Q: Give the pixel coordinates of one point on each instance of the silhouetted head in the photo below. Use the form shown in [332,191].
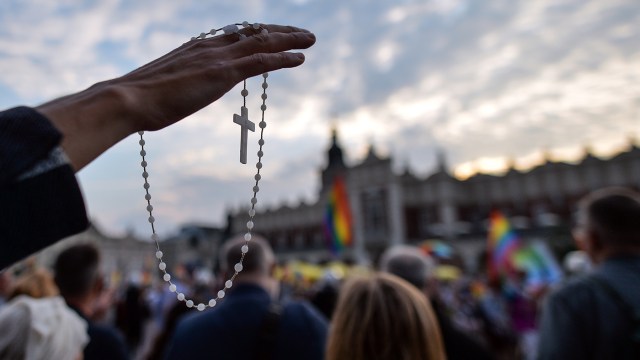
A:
[76,271]
[608,223]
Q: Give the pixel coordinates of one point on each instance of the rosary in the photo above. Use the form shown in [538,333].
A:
[245,126]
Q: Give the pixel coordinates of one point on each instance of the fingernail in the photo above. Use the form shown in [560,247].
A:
[300,56]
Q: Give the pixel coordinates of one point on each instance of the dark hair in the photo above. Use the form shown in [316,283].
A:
[76,269]
[614,215]
[257,260]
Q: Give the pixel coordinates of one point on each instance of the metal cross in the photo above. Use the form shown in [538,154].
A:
[245,124]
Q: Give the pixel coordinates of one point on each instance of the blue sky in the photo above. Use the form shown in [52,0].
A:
[485,81]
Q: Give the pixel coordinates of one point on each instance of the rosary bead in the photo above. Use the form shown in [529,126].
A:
[147,196]
[254,200]
[252,213]
[154,237]
[189,303]
[263,124]
[264,96]
[146,186]
[259,165]
[172,288]
[143,163]
[181,296]
[159,254]
[230,29]
[149,208]
[193,38]
[247,236]
[265,75]
[162,265]
[261,142]
[152,219]
[258,176]
[249,224]
[140,132]
[265,85]
[245,24]
[143,153]
[263,107]
[237,267]
[220,294]
[145,174]
[244,92]
[200,307]
[228,284]
[256,189]
[244,249]
[141,142]
[212,303]
[256,26]
[203,35]
[166,277]
[213,32]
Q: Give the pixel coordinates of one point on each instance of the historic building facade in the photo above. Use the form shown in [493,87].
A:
[390,208]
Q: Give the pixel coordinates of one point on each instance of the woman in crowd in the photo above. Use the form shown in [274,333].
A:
[382,317]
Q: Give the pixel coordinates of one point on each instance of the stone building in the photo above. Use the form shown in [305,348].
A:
[390,208]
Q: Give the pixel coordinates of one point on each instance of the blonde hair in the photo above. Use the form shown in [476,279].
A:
[382,317]
[37,283]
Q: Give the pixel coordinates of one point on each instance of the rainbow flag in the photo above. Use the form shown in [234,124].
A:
[337,218]
[539,264]
[507,254]
[502,243]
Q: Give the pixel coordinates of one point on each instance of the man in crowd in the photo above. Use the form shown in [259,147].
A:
[248,323]
[77,274]
[596,315]
[409,263]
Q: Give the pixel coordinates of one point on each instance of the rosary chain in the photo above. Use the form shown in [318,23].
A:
[229,29]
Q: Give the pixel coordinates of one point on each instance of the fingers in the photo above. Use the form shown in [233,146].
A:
[257,64]
[272,43]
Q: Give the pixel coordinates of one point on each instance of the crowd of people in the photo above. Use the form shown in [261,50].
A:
[399,308]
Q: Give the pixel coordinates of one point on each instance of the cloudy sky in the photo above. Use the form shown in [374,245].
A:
[485,81]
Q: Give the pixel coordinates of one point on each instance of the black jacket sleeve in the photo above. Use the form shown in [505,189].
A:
[38,210]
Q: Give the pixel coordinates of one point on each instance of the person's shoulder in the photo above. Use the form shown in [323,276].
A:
[105,342]
[302,312]
[105,333]
[575,290]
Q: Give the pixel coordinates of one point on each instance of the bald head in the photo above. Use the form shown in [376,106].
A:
[257,261]
[408,263]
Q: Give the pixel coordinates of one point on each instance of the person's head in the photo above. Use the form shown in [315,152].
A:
[39,329]
[608,223]
[410,264]
[258,263]
[77,273]
[383,317]
[36,284]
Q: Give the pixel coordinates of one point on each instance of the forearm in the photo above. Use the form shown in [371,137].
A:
[90,121]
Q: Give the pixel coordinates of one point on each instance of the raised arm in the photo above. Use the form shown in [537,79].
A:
[168,89]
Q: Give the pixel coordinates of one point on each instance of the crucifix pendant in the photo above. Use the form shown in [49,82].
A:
[245,125]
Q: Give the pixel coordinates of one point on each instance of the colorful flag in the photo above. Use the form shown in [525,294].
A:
[501,245]
[337,218]
[508,254]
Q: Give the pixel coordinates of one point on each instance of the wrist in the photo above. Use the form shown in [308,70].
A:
[90,121]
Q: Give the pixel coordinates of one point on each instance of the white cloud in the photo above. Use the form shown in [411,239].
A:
[483,80]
